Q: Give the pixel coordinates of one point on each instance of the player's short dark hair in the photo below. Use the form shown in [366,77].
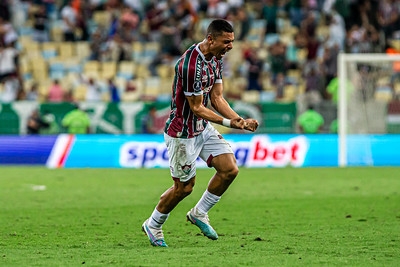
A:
[218,26]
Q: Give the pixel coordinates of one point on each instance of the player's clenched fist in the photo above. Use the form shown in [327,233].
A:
[250,125]
[237,123]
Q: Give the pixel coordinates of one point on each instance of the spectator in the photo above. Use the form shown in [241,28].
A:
[70,20]
[113,90]
[149,122]
[277,58]
[154,18]
[310,121]
[329,63]
[35,123]
[333,89]
[270,14]
[97,47]
[9,59]
[76,121]
[40,20]
[280,83]
[243,18]
[389,17]
[56,93]
[50,119]
[217,9]
[9,73]
[33,94]
[117,49]
[333,127]
[337,31]
[315,87]
[255,68]
[93,90]
[8,35]
[186,17]
[11,90]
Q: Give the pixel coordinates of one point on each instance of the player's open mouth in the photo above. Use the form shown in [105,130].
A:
[222,54]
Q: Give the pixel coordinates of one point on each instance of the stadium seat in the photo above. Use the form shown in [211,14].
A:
[49,46]
[150,51]
[137,51]
[165,71]
[73,65]
[56,32]
[108,69]
[79,92]
[252,96]
[151,88]
[267,96]
[92,68]
[385,95]
[256,32]
[142,71]
[126,70]
[289,93]
[66,50]
[39,70]
[101,18]
[82,50]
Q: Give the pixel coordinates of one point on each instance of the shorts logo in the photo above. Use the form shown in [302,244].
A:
[186,168]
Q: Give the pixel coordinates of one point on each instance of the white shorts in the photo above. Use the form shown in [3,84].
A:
[183,153]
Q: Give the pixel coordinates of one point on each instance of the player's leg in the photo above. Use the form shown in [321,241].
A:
[182,158]
[218,154]
[175,194]
[226,172]
[168,201]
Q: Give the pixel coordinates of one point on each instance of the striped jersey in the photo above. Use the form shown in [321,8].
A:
[194,75]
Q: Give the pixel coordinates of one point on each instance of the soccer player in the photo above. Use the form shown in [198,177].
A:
[189,135]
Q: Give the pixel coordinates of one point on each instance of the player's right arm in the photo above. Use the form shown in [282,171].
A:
[197,107]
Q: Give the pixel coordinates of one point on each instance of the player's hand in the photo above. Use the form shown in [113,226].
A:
[237,123]
[250,125]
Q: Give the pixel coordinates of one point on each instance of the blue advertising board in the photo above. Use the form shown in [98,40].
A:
[149,151]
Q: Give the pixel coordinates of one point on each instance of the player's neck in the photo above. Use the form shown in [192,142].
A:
[205,49]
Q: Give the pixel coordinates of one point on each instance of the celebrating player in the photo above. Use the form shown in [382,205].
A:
[189,135]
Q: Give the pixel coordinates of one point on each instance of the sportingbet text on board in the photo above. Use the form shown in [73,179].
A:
[257,152]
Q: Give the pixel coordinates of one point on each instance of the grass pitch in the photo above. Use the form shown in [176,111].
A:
[269,217]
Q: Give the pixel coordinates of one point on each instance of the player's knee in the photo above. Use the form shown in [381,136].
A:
[185,189]
[183,192]
[233,172]
[230,173]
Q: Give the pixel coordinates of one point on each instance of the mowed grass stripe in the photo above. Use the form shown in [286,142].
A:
[269,217]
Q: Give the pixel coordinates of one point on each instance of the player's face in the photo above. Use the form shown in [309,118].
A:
[222,44]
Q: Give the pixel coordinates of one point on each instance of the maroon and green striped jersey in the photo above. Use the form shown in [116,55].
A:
[194,75]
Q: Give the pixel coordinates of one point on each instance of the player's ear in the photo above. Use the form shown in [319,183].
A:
[210,39]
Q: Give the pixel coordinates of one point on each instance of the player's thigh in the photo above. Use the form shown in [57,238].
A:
[182,157]
[225,163]
[215,147]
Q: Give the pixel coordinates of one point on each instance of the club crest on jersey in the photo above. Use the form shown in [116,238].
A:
[186,168]
[197,86]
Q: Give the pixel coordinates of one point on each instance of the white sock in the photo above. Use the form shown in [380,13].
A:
[157,219]
[206,202]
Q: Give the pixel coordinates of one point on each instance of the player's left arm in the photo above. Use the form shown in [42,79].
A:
[219,103]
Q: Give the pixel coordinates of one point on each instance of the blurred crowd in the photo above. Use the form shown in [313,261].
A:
[286,49]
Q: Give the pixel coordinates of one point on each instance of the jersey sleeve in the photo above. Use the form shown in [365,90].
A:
[192,76]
